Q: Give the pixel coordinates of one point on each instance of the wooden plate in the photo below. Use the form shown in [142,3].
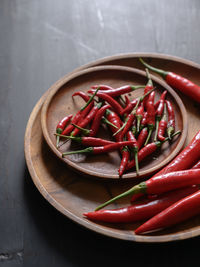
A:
[72,195]
[59,103]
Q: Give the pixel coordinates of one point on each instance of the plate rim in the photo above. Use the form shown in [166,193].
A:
[58,206]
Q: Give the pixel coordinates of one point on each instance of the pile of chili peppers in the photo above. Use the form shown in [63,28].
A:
[130,121]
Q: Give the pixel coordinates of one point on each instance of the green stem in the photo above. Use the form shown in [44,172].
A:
[156,131]
[104,120]
[149,135]
[136,161]
[90,100]
[140,188]
[135,87]
[85,131]
[139,118]
[86,150]
[158,71]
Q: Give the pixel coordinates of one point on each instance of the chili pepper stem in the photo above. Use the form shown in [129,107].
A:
[86,150]
[156,131]
[85,131]
[140,188]
[108,122]
[148,137]
[159,71]
[90,100]
[136,163]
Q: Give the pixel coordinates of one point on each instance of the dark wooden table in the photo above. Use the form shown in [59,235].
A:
[40,41]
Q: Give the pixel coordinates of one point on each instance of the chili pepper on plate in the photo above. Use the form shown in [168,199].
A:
[148,87]
[139,116]
[178,212]
[141,211]
[177,81]
[142,137]
[162,125]
[134,149]
[160,184]
[124,161]
[159,112]
[61,126]
[101,149]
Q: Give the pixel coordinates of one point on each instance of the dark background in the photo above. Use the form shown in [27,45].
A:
[40,41]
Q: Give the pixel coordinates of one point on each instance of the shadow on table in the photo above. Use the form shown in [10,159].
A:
[82,247]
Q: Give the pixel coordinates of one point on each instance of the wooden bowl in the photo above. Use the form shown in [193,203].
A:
[59,103]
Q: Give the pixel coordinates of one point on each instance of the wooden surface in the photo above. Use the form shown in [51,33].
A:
[44,167]
[40,42]
[59,103]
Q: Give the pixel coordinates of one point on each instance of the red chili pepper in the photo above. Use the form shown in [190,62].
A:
[144,121]
[82,95]
[61,126]
[141,211]
[182,84]
[87,119]
[115,120]
[119,91]
[148,87]
[142,137]
[97,120]
[139,116]
[171,119]
[100,149]
[129,121]
[131,137]
[124,161]
[114,104]
[157,104]
[162,125]
[159,112]
[88,141]
[176,213]
[102,87]
[150,116]
[161,184]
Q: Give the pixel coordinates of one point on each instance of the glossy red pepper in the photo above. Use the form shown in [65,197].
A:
[134,149]
[162,125]
[115,120]
[82,95]
[144,121]
[182,84]
[171,119]
[161,184]
[101,149]
[61,126]
[142,137]
[141,211]
[139,116]
[148,87]
[124,161]
[88,141]
[176,213]
[129,107]
[151,113]
[102,87]
[159,112]
[97,120]
[114,92]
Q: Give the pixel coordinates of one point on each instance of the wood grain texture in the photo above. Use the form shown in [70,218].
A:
[40,41]
[59,103]
[67,197]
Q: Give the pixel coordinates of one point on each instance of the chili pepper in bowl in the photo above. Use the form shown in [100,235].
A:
[177,81]
[139,116]
[171,119]
[150,116]
[124,161]
[161,184]
[176,213]
[148,87]
[61,126]
[142,137]
[162,125]
[100,149]
[159,112]
[141,211]
[134,149]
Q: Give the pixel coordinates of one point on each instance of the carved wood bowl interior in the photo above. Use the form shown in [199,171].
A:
[60,103]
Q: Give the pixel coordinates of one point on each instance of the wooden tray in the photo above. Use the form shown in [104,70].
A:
[59,103]
[72,195]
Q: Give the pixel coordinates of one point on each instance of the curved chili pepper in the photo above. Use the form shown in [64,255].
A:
[144,121]
[148,87]
[61,126]
[131,137]
[88,118]
[176,213]
[159,112]
[102,87]
[139,116]
[115,120]
[100,149]
[82,95]
[129,107]
[88,141]
[141,211]
[162,125]
[171,119]
[182,84]
[127,125]
[119,91]
[142,137]
[150,116]
[114,104]
[97,120]
[161,184]
[124,161]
